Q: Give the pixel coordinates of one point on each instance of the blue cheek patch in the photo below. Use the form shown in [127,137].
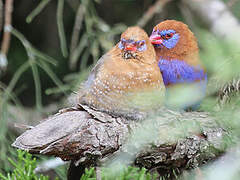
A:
[120,45]
[171,43]
[177,71]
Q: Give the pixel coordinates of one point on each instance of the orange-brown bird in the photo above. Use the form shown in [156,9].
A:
[126,80]
[178,59]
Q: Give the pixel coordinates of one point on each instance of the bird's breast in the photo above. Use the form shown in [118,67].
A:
[178,71]
[185,84]
[124,86]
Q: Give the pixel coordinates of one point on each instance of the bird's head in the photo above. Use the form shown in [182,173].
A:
[173,39]
[135,44]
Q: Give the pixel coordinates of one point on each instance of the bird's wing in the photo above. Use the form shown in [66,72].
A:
[93,74]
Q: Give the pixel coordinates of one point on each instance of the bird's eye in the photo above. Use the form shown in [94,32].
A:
[167,36]
[141,43]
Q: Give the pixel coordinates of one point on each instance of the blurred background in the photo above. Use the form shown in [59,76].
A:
[48,48]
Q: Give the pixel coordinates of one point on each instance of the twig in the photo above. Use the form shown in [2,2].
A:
[32,63]
[7,26]
[32,55]
[77,28]
[13,97]
[7,34]
[37,10]
[13,81]
[61,28]
[1,15]
[156,8]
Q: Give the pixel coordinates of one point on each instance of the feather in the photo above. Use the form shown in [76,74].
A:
[178,59]
[124,82]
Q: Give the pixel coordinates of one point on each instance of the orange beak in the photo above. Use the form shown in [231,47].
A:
[156,39]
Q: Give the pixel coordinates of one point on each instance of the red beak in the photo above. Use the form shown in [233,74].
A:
[130,47]
[156,39]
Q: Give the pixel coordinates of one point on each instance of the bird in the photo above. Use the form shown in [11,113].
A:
[125,81]
[184,76]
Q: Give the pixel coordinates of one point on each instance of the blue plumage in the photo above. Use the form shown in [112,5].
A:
[177,71]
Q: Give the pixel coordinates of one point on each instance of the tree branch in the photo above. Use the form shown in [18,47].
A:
[1,15]
[156,8]
[76,29]
[166,141]
[7,34]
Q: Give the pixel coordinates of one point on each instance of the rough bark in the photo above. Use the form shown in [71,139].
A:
[75,134]
[89,138]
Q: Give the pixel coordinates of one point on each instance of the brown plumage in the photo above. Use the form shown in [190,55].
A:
[186,49]
[125,81]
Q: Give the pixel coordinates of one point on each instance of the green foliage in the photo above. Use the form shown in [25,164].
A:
[6,137]
[98,36]
[126,174]
[36,60]
[131,173]
[24,168]
[26,164]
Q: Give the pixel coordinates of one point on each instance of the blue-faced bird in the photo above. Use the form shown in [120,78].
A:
[126,80]
[178,59]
